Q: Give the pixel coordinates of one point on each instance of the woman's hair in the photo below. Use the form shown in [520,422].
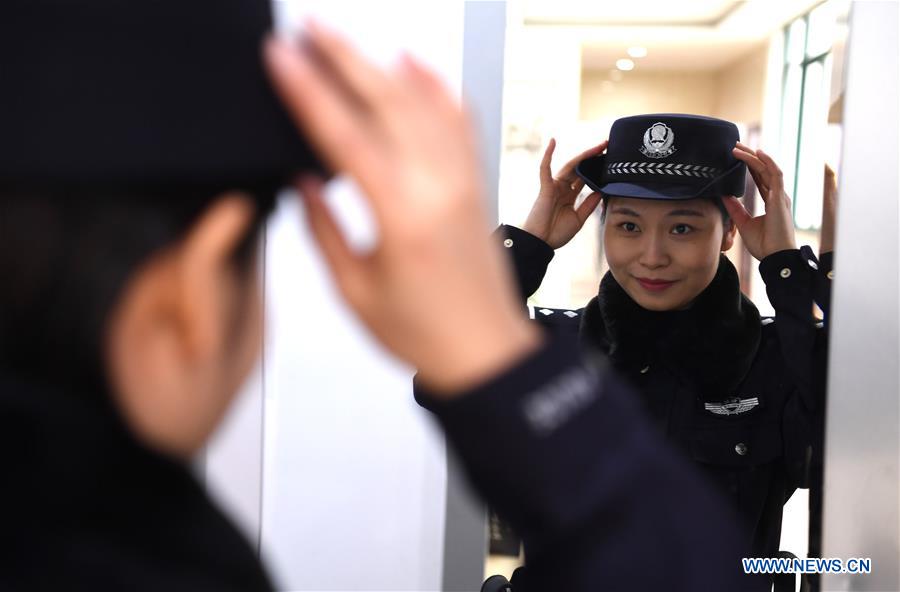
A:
[65,258]
[717,201]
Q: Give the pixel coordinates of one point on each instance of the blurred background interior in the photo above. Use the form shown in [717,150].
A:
[572,68]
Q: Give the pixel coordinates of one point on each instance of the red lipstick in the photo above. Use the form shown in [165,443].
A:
[654,285]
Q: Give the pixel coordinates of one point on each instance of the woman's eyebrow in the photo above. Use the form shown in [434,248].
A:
[625,211]
[696,213]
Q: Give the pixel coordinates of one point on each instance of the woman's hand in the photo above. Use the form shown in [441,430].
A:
[829,211]
[774,230]
[435,290]
[554,218]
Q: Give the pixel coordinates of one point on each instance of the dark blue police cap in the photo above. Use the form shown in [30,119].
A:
[667,156]
[101,93]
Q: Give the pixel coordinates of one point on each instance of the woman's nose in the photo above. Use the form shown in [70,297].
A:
[654,253]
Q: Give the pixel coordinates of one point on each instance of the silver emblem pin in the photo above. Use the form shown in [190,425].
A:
[658,141]
[733,406]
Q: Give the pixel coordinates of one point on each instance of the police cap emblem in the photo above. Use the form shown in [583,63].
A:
[658,141]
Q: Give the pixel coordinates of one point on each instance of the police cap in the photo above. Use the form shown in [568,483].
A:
[99,93]
[667,156]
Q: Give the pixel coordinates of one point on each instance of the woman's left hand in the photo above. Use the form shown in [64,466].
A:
[774,230]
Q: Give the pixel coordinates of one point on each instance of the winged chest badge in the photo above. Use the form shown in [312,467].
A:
[733,406]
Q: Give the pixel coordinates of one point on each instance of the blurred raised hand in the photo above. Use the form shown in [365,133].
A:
[435,290]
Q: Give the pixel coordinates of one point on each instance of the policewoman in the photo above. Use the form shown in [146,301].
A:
[735,392]
[140,154]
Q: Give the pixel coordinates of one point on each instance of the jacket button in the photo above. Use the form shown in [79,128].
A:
[741,448]
[785,273]
[830,274]
[645,369]
[508,243]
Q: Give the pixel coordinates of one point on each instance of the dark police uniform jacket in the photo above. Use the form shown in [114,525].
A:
[741,396]
[554,443]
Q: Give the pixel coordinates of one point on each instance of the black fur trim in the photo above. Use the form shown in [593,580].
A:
[712,344]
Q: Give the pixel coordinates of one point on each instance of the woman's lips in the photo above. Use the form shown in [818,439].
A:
[654,285]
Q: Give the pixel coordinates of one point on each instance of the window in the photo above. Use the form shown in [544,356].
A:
[805,133]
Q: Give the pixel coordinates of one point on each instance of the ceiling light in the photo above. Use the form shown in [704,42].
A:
[625,64]
[637,52]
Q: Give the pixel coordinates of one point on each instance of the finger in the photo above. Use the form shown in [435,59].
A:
[760,184]
[344,264]
[775,177]
[737,211]
[757,180]
[830,182]
[588,206]
[781,205]
[360,77]
[567,173]
[330,119]
[427,82]
[546,177]
[758,170]
[744,148]
[752,160]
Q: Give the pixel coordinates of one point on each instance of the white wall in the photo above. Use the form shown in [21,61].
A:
[326,459]
[648,92]
[862,464]
[741,87]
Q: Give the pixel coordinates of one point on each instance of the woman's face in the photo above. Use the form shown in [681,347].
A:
[664,253]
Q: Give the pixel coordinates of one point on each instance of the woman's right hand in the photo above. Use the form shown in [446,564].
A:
[829,211]
[554,218]
[436,290]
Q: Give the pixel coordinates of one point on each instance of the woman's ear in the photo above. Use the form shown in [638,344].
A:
[169,331]
[206,271]
[728,235]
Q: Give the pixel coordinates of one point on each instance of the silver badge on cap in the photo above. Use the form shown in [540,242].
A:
[733,406]
[658,141]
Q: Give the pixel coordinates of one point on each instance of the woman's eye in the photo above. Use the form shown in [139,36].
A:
[628,226]
[681,229]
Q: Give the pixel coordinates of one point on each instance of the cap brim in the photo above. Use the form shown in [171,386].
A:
[651,190]
[592,171]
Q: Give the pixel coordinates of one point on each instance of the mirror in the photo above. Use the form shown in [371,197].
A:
[773,69]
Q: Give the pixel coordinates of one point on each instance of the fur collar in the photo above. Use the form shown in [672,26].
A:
[712,344]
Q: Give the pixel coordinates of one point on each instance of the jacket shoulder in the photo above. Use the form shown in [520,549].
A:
[769,326]
[556,315]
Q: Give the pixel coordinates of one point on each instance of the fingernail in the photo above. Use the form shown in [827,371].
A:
[408,63]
